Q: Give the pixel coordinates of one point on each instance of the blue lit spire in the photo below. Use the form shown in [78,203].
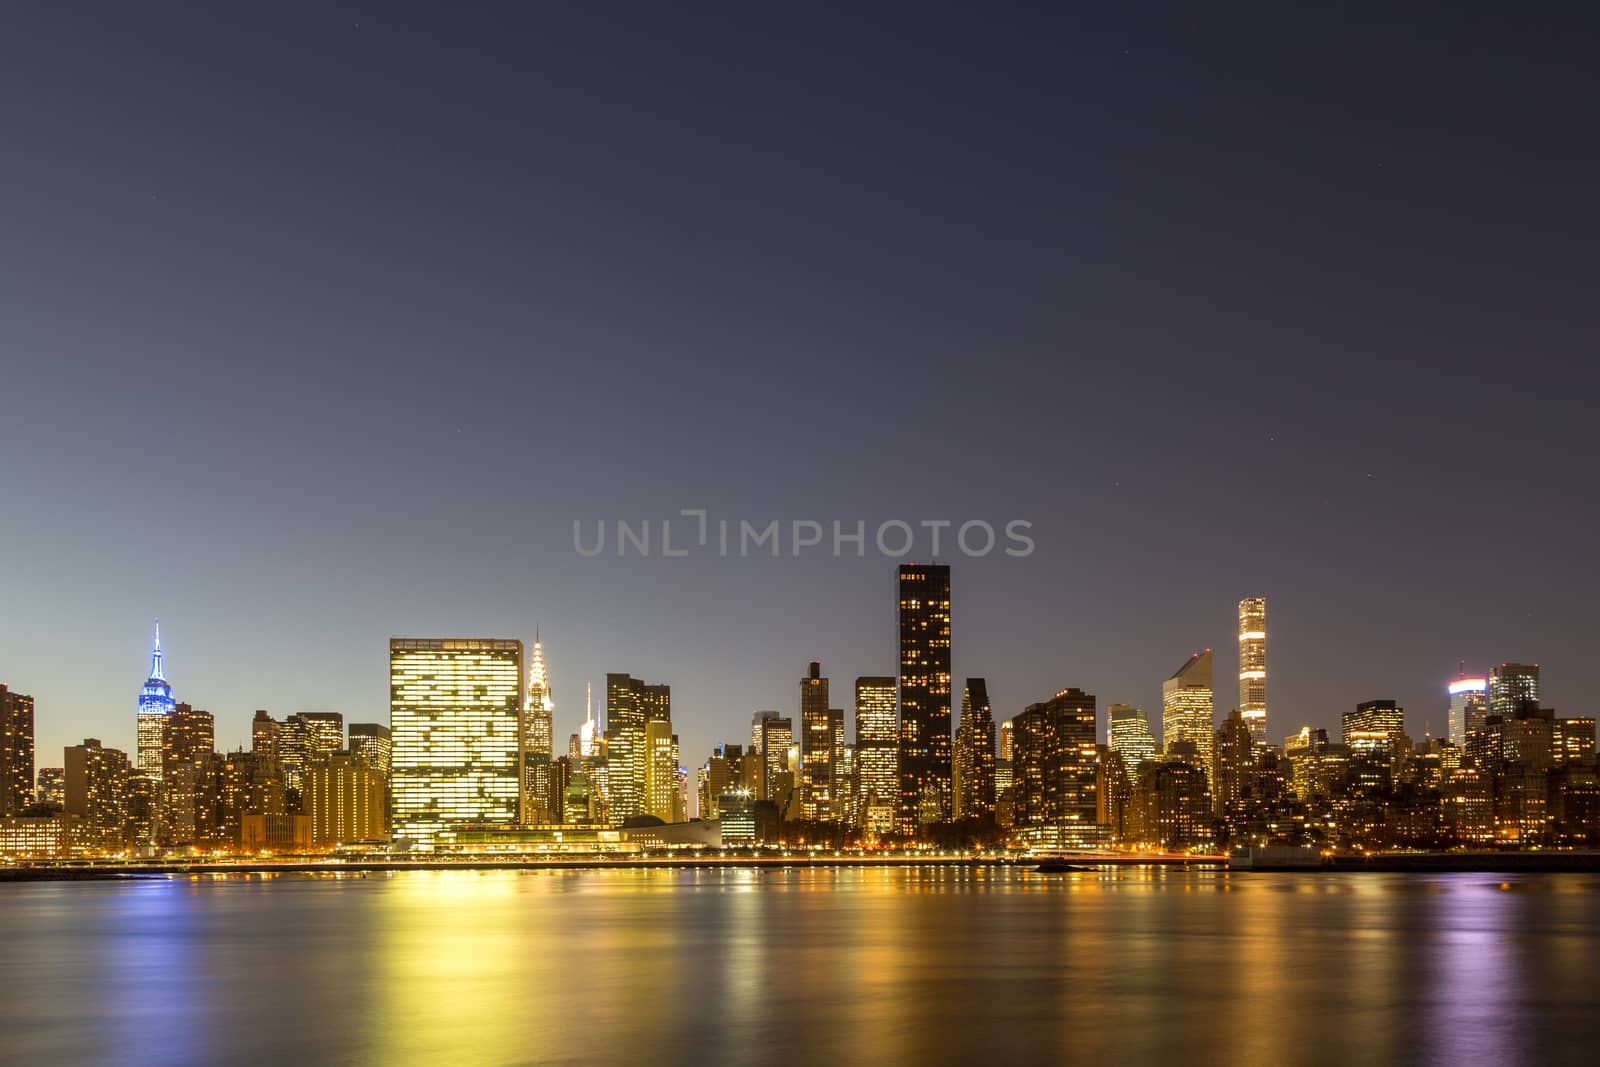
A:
[155,657]
[156,696]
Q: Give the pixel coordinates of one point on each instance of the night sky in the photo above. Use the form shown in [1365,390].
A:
[320,325]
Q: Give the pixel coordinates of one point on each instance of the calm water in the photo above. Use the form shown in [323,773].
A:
[794,967]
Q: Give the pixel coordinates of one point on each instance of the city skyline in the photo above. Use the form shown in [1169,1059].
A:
[690,759]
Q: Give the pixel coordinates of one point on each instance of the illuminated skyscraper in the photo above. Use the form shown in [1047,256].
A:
[816,746]
[877,753]
[95,782]
[973,759]
[155,704]
[371,743]
[303,737]
[630,706]
[266,733]
[324,732]
[777,737]
[190,736]
[188,739]
[455,712]
[1006,733]
[924,603]
[1129,736]
[1186,708]
[1511,686]
[16,752]
[538,726]
[755,727]
[1469,705]
[1373,724]
[1253,666]
[1232,762]
[661,770]
[1055,771]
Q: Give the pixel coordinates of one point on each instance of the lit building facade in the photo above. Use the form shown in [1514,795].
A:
[1187,714]
[1128,734]
[923,594]
[1469,706]
[1056,771]
[155,704]
[877,753]
[973,771]
[777,748]
[816,746]
[343,797]
[96,781]
[52,790]
[661,770]
[538,743]
[1373,722]
[630,705]
[187,742]
[372,743]
[1511,687]
[16,752]
[1232,762]
[455,713]
[1253,666]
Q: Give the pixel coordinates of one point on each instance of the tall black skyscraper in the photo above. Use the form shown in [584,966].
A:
[924,598]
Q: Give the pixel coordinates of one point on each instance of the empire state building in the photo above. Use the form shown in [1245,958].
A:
[155,704]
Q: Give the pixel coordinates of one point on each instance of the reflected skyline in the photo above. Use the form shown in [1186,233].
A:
[849,965]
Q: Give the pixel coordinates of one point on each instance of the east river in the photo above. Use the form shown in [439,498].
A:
[921,965]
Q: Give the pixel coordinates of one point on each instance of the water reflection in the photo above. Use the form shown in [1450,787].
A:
[926,964]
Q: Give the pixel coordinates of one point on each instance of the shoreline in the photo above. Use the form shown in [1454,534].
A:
[1404,863]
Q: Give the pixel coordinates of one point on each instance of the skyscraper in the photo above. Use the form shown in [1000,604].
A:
[877,753]
[924,605]
[973,772]
[94,787]
[1469,703]
[630,706]
[538,741]
[755,727]
[1055,771]
[324,732]
[303,737]
[155,704]
[1512,685]
[1186,708]
[16,752]
[661,769]
[1232,761]
[777,737]
[188,739]
[455,712]
[816,746]
[1253,666]
[266,733]
[1373,722]
[1129,736]
[190,736]
[371,743]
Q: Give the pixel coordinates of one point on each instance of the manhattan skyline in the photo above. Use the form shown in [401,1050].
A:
[298,370]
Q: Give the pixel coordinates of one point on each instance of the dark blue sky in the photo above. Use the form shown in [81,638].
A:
[323,324]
